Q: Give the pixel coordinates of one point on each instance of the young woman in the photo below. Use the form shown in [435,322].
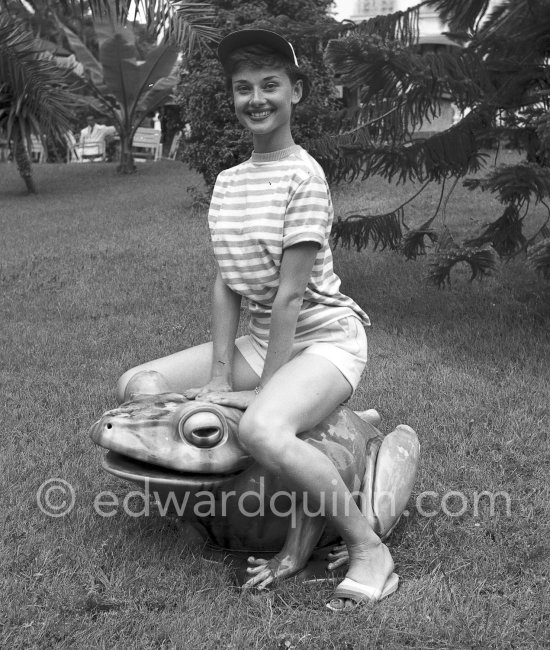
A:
[270,221]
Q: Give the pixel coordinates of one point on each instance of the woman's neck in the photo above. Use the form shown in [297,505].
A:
[274,156]
[272,142]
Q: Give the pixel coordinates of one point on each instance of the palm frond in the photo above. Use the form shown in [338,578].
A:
[356,154]
[92,67]
[414,241]
[515,184]
[187,24]
[461,16]
[505,234]
[400,26]
[387,70]
[357,230]
[498,36]
[482,262]
[35,94]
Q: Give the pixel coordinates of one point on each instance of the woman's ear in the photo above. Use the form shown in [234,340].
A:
[297,91]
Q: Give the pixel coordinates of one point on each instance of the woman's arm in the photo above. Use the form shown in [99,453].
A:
[226,306]
[296,267]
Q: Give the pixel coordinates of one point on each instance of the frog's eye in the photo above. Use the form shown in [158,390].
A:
[202,429]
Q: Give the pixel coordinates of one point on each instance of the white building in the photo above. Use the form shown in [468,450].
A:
[358,10]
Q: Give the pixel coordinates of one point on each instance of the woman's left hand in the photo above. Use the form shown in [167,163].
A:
[238,399]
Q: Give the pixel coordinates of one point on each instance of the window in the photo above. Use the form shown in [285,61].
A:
[376,7]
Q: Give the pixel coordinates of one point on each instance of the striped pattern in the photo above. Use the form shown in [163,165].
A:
[259,208]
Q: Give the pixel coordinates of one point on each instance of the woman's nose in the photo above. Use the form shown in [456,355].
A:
[257,96]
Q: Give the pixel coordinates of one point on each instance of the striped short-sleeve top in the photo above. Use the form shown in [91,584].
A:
[259,208]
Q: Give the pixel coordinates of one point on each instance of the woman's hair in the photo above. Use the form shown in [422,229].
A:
[261,56]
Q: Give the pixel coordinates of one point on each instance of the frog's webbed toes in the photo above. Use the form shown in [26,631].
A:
[256,564]
[337,557]
[261,572]
[264,572]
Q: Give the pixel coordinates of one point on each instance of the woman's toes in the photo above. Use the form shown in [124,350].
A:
[341,604]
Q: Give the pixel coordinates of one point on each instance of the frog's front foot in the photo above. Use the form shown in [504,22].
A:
[265,572]
[337,557]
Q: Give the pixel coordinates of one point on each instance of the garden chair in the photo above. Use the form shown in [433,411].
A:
[91,151]
[37,150]
[146,144]
[72,147]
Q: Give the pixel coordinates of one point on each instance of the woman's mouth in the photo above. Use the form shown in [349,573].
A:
[259,115]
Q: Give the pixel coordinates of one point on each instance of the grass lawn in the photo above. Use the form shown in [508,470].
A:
[100,272]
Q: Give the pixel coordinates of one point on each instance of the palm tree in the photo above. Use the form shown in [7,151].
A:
[35,95]
[139,87]
[500,81]
[119,82]
[185,24]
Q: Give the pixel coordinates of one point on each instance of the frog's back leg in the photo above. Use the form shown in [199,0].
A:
[371,416]
[389,479]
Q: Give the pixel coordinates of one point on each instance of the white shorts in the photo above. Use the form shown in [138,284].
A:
[343,342]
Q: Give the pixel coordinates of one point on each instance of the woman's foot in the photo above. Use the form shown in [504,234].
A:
[371,568]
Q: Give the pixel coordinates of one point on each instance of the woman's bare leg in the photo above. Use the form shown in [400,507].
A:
[301,394]
[191,368]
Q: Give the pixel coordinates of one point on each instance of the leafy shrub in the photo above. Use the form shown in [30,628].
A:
[217,139]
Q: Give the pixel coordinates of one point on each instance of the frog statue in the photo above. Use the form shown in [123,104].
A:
[186,454]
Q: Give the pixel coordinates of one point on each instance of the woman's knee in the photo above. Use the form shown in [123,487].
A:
[140,380]
[121,385]
[264,436]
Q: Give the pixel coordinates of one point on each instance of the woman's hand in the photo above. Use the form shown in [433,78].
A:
[237,399]
[216,385]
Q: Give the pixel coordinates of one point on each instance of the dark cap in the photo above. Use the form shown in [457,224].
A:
[245,37]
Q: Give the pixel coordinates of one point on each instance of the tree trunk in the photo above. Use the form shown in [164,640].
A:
[127,164]
[23,161]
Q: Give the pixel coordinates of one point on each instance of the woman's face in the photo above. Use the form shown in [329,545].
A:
[263,99]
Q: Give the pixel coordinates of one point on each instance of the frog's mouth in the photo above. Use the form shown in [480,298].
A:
[153,476]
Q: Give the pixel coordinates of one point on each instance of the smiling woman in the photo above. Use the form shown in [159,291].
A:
[270,220]
[263,104]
